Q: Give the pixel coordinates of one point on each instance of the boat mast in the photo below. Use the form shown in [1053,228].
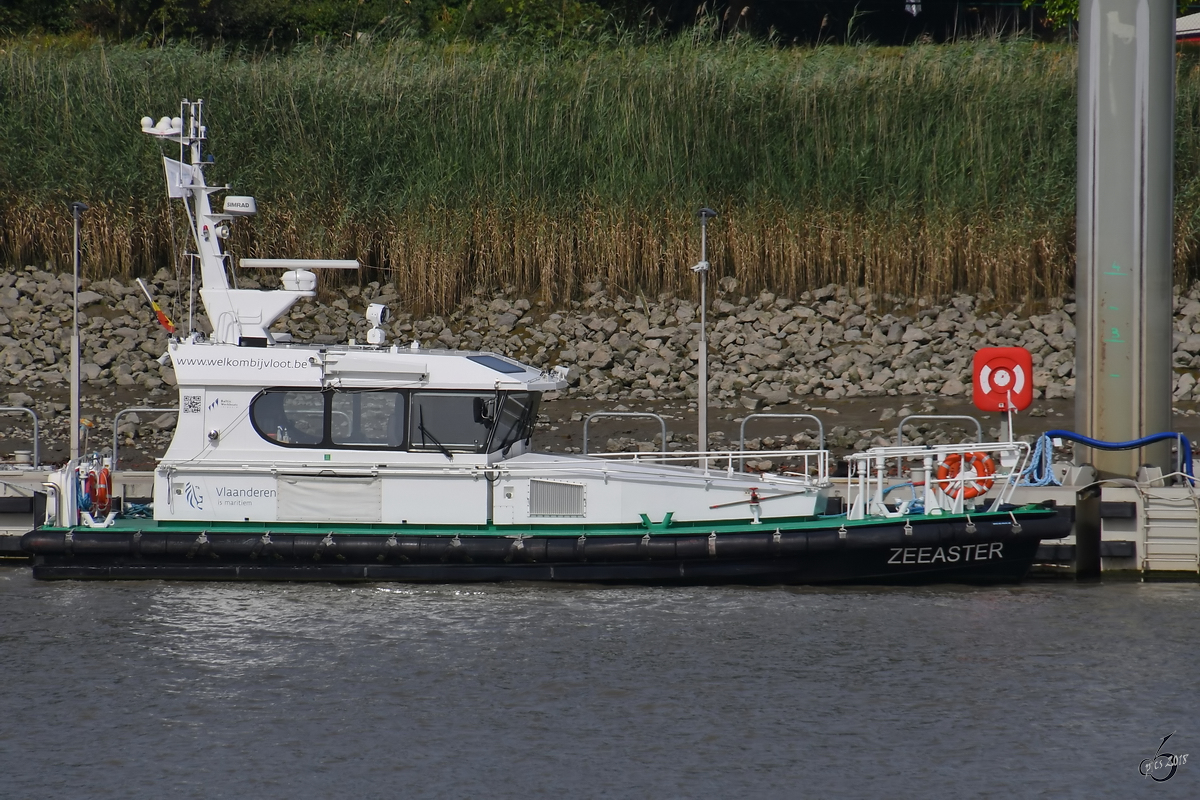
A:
[237,316]
[206,231]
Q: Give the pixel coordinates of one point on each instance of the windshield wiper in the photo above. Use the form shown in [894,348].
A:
[421,427]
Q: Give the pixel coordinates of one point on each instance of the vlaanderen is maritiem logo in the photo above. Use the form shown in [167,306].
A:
[194,498]
[1162,766]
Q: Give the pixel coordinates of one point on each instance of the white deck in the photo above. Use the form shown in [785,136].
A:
[528,489]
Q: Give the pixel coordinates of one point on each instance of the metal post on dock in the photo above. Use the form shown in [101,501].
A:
[1125,151]
[77,209]
[702,358]
[1124,228]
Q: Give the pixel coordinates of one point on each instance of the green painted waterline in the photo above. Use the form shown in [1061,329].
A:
[667,527]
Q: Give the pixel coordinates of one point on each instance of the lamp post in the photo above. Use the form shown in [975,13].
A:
[77,209]
[702,360]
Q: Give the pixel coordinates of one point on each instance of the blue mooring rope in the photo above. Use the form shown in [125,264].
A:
[1040,471]
[138,510]
[916,506]
[1185,445]
[83,499]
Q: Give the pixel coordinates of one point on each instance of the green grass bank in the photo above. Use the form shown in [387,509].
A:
[915,171]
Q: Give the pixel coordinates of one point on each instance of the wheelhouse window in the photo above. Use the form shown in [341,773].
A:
[451,422]
[329,419]
[394,419]
[471,422]
[294,417]
[368,419]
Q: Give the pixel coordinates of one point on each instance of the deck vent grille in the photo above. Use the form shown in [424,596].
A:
[556,499]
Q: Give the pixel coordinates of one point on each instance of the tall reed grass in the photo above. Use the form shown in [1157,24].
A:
[919,171]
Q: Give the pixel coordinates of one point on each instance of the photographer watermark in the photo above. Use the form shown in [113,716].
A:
[1162,766]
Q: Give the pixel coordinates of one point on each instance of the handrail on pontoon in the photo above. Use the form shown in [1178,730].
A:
[748,417]
[662,422]
[32,413]
[117,422]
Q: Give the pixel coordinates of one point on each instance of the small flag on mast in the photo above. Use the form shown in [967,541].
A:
[163,319]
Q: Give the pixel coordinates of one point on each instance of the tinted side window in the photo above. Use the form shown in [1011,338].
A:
[460,421]
[368,419]
[290,417]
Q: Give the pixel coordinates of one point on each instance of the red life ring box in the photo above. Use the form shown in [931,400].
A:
[1002,379]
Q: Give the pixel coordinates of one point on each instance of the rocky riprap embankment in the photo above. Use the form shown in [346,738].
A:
[767,350]
[829,343]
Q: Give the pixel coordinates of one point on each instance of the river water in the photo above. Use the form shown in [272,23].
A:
[152,690]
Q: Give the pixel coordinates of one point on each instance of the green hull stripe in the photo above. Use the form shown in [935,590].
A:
[674,528]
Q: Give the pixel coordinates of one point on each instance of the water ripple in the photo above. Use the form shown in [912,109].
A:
[249,690]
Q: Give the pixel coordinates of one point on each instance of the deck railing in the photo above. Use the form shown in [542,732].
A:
[975,474]
[809,466]
[812,464]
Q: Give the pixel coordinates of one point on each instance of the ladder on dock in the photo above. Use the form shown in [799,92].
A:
[1171,525]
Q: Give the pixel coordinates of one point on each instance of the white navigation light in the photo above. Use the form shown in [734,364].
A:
[147,123]
[238,206]
[299,280]
[377,314]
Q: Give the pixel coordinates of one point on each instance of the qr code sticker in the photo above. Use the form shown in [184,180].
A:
[191,404]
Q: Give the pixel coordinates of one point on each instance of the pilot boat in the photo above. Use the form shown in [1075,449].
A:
[386,461]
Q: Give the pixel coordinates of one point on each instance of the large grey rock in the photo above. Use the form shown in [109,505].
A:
[656,366]
[751,402]
[953,388]
[776,397]
[103,358]
[602,358]
[164,422]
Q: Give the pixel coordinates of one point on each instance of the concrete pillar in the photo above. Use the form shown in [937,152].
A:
[1124,227]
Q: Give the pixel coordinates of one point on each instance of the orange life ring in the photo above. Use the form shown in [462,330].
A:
[102,499]
[955,464]
[89,485]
